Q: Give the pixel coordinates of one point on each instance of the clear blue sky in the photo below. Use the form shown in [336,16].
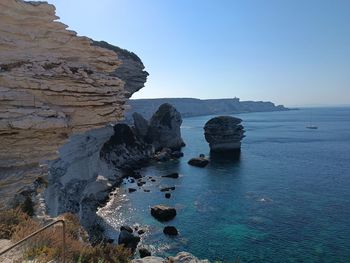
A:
[292,52]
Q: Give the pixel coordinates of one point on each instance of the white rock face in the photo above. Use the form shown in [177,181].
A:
[54,83]
[79,179]
[89,165]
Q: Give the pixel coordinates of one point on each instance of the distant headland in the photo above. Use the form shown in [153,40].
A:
[190,107]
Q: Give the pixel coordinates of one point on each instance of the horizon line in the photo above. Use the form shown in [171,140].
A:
[308,105]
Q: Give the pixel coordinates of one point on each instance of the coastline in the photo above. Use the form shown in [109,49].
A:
[260,182]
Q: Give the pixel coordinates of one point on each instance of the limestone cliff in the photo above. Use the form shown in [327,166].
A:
[54,83]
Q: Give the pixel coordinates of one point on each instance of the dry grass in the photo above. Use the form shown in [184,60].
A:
[47,245]
[104,253]
[9,219]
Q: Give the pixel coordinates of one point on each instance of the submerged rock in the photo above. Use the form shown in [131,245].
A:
[172,175]
[167,195]
[165,189]
[170,230]
[199,162]
[163,213]
[141,183]
[224,133]
[130,190]
[141,231]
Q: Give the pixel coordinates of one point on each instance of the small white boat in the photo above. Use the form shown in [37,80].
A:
[312,127]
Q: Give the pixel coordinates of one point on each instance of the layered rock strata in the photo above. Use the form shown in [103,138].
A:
[54,83]
[224,133]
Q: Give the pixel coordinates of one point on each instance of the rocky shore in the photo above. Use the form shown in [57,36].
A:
[94,163]
[62,100]
[181,257]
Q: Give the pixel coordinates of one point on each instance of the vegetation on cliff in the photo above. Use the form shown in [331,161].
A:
[46,246]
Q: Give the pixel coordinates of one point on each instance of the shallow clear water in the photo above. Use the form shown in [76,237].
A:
[287,199]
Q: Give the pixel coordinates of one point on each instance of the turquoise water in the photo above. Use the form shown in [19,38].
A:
[286,199]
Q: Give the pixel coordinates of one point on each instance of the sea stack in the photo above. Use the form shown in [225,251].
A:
[164,128]
[224,133]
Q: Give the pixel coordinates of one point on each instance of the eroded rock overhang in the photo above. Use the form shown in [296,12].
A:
[54,83]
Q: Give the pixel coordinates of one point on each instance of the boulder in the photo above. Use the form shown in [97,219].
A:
[132,173]
[199,161]
[224,133]
[140,231]
[172,175]
[163,213]
[127,239]
[141,183]
[126,228]
[170,230]
[164,128]
[166,189]
[131,190]
[144,253]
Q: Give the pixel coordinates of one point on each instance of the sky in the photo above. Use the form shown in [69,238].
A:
[291,52]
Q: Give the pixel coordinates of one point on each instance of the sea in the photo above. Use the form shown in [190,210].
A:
[286,198]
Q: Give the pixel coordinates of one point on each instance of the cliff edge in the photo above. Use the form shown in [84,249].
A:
[53,83]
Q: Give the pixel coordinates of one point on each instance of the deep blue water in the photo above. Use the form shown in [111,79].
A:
[287,199]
